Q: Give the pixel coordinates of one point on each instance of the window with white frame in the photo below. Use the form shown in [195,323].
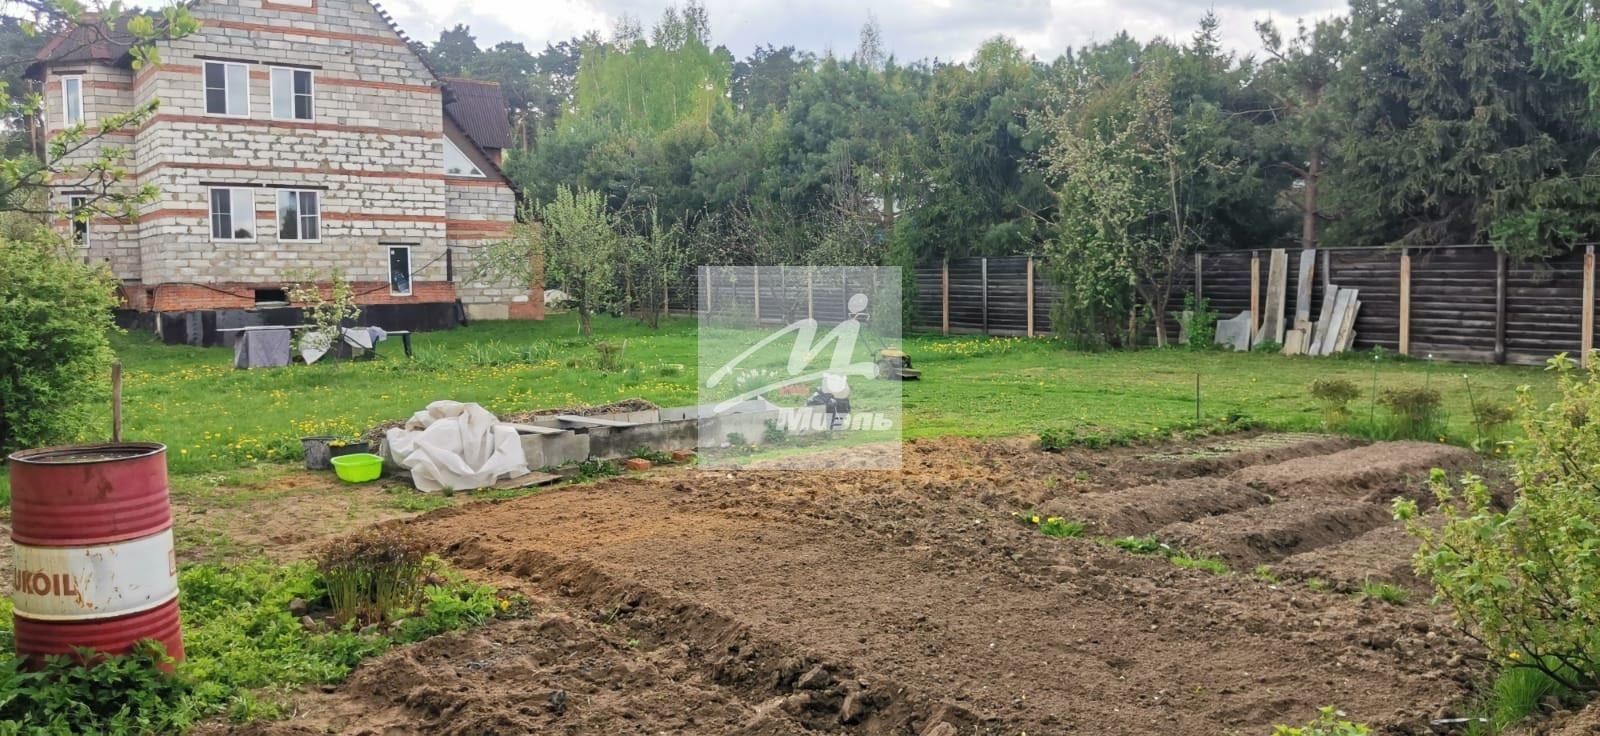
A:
[78,210]
[233,213]
[227,88]
[72,100]
[299,214]
[400,270]
[456,163]
[291,93]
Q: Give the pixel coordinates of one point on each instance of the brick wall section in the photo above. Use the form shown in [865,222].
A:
[188,297]
[374,150]
[478,215]
[107,90]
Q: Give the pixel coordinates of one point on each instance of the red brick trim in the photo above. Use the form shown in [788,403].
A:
[269,5]
[298,170]
[261,123]
[457,181]
[374,217]
[262,75]
[307,32]
[476,229]
[181,297]
[54,86]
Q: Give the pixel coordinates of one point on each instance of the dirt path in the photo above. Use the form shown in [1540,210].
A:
[913,603]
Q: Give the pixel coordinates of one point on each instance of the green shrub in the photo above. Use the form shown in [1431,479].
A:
[1329,722]
[1490,417]
[55,314]
[1335,394]
[1524,581]
[1199,322]
[1415,411]
[1054,440]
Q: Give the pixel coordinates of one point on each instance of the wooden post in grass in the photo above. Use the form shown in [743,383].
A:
[1255,293]
[116,401]
[944,292]
[1405,301]
[757,291]
[1588,305]
[1500,307]
[1030,296]
[984,273]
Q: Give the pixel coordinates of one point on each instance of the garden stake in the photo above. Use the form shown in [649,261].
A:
[116,401]
[1372,407]
[1197,398]
[1478,429]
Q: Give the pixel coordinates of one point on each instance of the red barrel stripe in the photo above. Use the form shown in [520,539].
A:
[36,639]
[87,495]
[92,496]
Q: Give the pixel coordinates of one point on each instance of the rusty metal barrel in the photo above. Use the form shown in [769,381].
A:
[94,560]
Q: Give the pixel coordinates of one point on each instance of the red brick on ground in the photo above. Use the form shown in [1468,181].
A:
[637,463]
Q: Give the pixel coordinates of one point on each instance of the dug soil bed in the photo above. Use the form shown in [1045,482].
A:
[914,602]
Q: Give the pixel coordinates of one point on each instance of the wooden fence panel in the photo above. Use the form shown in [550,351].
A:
[1457,311]
[1376,274]
[1544,309]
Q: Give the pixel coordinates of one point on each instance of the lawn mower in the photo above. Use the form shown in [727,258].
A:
[893,364]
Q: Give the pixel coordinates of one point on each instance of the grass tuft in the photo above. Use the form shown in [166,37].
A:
[1385,592]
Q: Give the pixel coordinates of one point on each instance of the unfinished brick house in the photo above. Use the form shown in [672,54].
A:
[292,137]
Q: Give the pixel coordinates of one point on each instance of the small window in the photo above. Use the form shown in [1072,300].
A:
[299,215]
[72,100]
[456,163]
[400,270]
[227,89]
[78,210]
[272,296]
[233,213]
[291,93]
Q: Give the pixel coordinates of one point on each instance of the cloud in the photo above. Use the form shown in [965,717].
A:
[912,29]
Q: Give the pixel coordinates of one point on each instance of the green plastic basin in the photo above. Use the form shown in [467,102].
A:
[358,468]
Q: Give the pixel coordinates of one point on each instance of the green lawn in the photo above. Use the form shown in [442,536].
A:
[215,418]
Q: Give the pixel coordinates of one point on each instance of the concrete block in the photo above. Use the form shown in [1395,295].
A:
[555,450]
[612,443]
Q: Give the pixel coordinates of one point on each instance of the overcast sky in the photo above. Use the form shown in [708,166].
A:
[912,29]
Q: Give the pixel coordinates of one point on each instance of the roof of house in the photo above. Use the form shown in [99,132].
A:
[480,109]
[87,42]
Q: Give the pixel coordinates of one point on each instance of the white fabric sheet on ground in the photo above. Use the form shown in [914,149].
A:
[458,447]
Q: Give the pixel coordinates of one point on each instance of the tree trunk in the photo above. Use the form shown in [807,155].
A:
[1308,223]
[583,318]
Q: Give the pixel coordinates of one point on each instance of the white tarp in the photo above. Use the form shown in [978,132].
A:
[456,446]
